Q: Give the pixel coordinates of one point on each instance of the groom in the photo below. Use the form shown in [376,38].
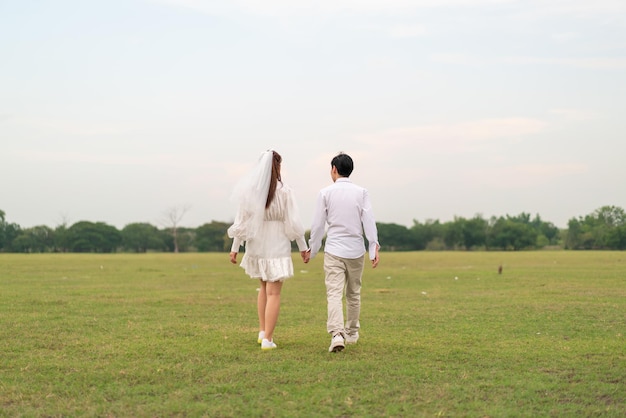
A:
[346,209]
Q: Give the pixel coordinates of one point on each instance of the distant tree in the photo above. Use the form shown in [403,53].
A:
[61,238]
[453,233]
[84,237]
[186,239]
[598,230]
[3,238]
[212,237]
[475,232]
[464,233]
[608,222]
[172,218]
[577,236]
[141,237]
[547,230]
[38,239]
[394,237]
[616,238]
[511,233]
[610,216]
[427,233]
[8,233]
[523,218]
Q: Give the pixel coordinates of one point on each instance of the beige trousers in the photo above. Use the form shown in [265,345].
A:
[343,275]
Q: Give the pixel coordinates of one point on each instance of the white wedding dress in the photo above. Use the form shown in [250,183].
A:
[268,253]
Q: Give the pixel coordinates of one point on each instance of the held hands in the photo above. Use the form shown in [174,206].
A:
[233,257]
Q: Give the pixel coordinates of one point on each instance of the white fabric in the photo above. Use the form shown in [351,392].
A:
[268,253]
[347,210]
[250,194]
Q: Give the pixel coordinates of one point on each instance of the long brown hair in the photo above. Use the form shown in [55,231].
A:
[276,160]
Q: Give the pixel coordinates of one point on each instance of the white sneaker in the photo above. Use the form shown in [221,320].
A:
[336,344]
[352,339]
[267,344]
[261,336]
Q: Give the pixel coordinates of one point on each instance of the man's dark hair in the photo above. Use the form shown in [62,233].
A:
[344,164]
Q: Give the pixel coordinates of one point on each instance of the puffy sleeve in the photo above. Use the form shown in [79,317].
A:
[293,225]
[237,231]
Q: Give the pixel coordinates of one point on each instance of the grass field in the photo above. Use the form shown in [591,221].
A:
[443,334]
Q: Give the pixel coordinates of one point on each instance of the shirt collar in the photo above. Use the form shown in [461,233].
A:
[343,179]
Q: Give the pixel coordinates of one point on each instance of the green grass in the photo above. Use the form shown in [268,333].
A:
[443,334]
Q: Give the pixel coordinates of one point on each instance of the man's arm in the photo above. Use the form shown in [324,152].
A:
[369,228]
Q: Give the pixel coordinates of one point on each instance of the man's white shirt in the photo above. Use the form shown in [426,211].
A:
[347,211]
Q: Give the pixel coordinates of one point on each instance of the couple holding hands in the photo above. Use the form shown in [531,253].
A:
[267,221]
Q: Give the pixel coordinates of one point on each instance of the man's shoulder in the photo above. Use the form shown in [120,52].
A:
[345,184]
[350,185]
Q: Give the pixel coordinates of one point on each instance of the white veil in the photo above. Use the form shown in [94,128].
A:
[250,194]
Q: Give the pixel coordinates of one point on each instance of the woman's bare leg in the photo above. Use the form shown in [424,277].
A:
[272,308]
[261,304]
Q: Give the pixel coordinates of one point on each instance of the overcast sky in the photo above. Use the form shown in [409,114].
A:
[117,111]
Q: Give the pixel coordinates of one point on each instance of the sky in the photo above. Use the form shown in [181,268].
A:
[121,111]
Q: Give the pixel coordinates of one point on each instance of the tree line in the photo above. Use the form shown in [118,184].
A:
[603,229]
